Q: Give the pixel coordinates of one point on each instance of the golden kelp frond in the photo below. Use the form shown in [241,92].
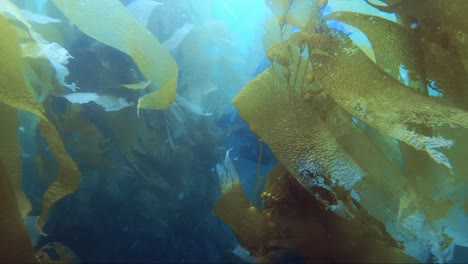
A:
[68,179]
[370,94]
[443,22]
[404,48]
[15,246]
[119,29]
[394,45]
[290,123]
[245,220]
[10,155]
[13,92]
[307,223]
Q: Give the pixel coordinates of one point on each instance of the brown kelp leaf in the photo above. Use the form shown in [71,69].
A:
[447,71]
[10,155]
[13,92]
[370,94]
[68,179]
[394,45]
[290,124]
[295,220]
[245,220]
[444,22]
[15,246]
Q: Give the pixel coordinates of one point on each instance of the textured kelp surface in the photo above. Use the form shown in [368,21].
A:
[328,110]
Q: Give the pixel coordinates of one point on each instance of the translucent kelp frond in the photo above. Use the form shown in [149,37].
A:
[124,32]
[14,93]
[394,45]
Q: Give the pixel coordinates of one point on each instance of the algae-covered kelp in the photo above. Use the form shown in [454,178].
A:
[325,108]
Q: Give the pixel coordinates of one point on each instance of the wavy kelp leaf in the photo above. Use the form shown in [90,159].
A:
[120,30]
[444,22]
[142,9]
[358,84]
[298,137]
[14,93]
[394,46]
[246,221]
[15,246]
[10,155]
[68,179]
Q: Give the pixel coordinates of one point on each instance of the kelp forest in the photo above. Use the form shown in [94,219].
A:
[234,131]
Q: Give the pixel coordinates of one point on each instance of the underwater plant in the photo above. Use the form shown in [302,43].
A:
[362,125]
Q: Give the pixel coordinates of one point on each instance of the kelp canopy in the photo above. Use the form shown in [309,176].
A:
[341,121]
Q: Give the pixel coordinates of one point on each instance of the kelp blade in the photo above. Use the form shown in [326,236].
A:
[13,93]
[119,29]
[15,246]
